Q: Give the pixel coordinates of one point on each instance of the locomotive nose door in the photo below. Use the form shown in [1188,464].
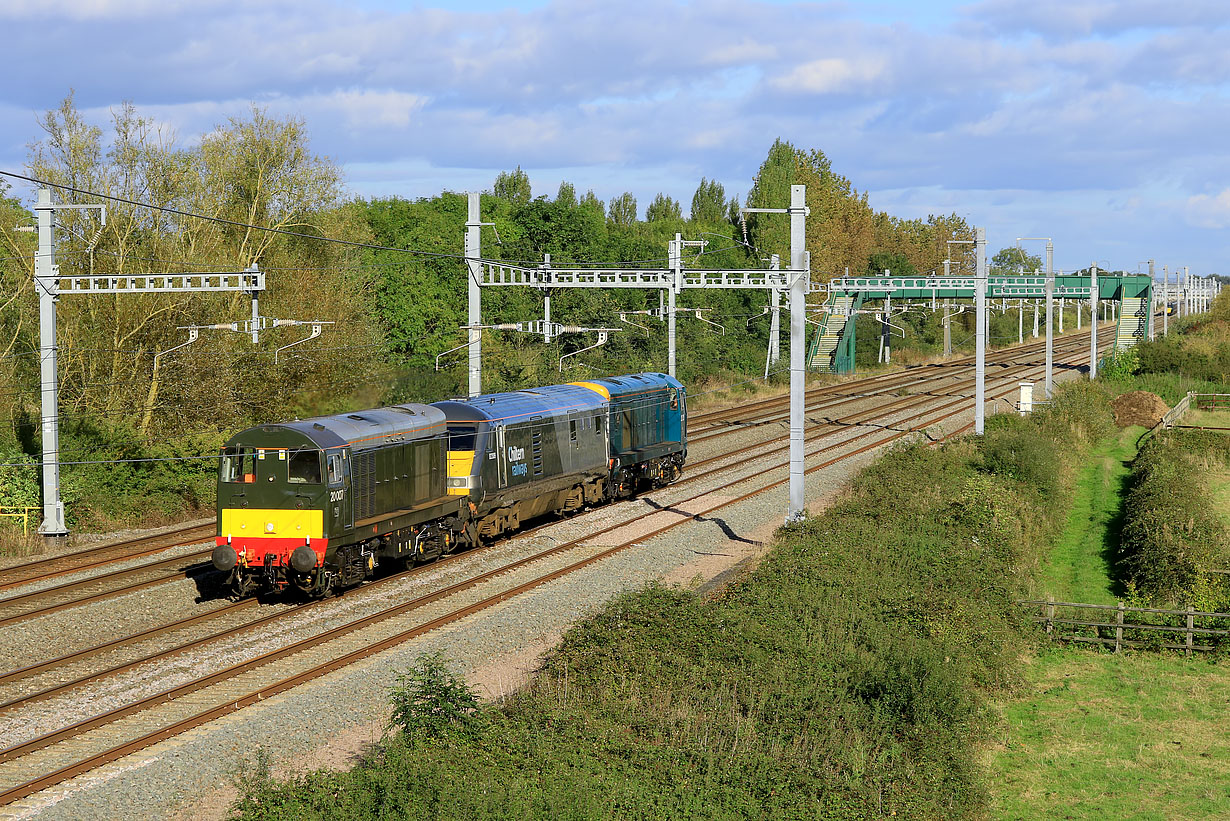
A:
[341,502]
[501,446]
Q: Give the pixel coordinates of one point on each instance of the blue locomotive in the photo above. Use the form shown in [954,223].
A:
[317,505]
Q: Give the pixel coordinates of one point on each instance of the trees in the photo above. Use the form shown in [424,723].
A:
[843,231]
[258,171]
[709,202]
[513,186]
[622,210]
[663,208]
[1012,260]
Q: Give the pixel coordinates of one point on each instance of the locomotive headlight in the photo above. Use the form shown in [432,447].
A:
[268,527]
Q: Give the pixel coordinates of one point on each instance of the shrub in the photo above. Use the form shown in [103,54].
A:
[432,703]
[1173,530]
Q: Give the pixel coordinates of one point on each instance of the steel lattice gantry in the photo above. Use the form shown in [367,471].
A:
[50,285]
[499,273]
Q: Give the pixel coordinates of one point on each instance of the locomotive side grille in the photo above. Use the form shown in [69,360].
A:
[536,448]
[364,485]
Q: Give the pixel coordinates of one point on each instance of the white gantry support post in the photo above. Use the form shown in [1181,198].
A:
[1050,307]
[947,316]
[48,287]
[676,265]
[1093,321]
[1187,291]
[886,330]
[256,312]
[980,330]
[947,328]
[546,301]
[775,319]
[1165,300]
[800,278]
[474,316]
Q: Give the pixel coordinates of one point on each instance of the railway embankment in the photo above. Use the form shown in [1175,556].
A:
[852,673]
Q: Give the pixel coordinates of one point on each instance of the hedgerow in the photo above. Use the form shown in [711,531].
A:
[1174,531]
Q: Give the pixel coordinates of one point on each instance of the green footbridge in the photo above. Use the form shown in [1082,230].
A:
[831,349]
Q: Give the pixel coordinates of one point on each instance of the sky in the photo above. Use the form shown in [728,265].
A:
[1100,123]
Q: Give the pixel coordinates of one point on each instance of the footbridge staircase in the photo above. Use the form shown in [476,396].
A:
[1133,321]
[832,345]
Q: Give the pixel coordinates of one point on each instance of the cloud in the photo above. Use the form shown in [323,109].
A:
[833,75]
[1045,102]
[1205,211]
[1101,18]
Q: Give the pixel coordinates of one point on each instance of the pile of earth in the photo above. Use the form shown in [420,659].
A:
[1139,408]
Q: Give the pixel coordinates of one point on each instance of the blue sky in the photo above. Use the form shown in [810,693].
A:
[1099,123]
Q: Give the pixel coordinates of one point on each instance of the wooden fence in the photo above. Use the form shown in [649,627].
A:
[1172,415]
[1134,627]
[1211,401]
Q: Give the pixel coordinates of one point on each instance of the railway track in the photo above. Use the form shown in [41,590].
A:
[52,599]
[39,762]
[768,411]
[701,427]
[819,431]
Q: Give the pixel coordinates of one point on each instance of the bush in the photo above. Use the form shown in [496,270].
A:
[432,703]
[1120,364]
[1173,530]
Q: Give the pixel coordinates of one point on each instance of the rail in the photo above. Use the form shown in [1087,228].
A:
[1133,627]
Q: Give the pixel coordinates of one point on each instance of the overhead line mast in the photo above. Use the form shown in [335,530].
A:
[673,279]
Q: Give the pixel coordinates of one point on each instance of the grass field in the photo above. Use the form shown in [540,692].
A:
[1219,481]
[1138,736]
[1211,419]
[1079,566]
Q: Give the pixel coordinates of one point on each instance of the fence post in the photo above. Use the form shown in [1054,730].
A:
[1191,630]
[1050,615]
[1119,627]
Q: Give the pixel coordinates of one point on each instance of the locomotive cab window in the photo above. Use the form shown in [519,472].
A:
[674,399]
[238,465]
[303,468]
[572,431]
[461,437]
[335,468]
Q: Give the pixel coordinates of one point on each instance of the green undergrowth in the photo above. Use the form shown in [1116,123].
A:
[850,676]
[1170,386]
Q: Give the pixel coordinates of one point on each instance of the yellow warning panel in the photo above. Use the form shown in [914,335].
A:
[238,522]
[595,387]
